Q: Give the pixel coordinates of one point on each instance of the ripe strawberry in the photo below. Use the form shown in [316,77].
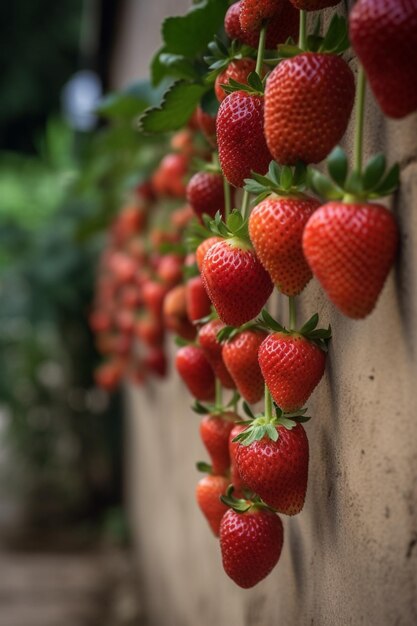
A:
[205,245]
[109,374]
[212,348]
[197,301]
[292,367]
[169,269]
[251,544]
[308,102]
[314,5]
[205,193]
[240,355]
[196,372]
[254,12]
[351,248]
[156,362]
[175,313]
[169,177]
[214,432]
[235,477]
[207,125]
[277,471]
[238,70]
[208,492]
[236,282]
[240,136]
[283,25]
[150,330]
[374,25]
[153,296]
[276,228]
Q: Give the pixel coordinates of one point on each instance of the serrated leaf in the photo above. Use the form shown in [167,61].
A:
[191,33]
[337,164]
[179,66]
[176,108]
[374,170]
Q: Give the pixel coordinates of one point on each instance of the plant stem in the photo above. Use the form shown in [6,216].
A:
[302,38]
[292,313]
[359,120]
[227,198]
[245,204]
[268,404]
[261,50]
[219,394]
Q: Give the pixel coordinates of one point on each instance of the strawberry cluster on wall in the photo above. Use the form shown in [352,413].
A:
[350,556]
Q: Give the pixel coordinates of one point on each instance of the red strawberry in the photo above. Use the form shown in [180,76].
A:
[197,301]
[150,330]
[238,70]
[214,432]
[170,269]
[276,228]
[208,492]
[207,125]
[374,25]
[235,280]
[351,248]
[292,367]
[212,348]
[277,471]
[251,544]
[196,372]
[240,135]
[156,362]
[236,479]
[153,296]
[109,374]
[285,24]
[240,355]
[175,313]
[254,12]
[200,253]
[168,179]
[314,5]
[308,102]
[205,193]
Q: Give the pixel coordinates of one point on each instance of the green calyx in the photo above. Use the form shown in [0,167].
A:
[334,41]
[255,86]
[230,332]
[280,179]
[220,56]
[374,182]
[243,505]
[235,228]
[319,336]
[263,425]
[215,409]
[204,468]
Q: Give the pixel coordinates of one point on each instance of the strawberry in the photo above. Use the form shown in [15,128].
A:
[208,492]
[308,102]
[314,5]
[283,25]
[156,362]
[276,228]
[212,348]
[196,372]
[169,269]
[277,471]
[237,70]
[240,136]
[292,363]
[205,245]
[236,479]
[205,193]
[214,432]
[240,355]
[109,374]
[168,179]
[378,27]
[254,12]
[207,125]
[197,301]
[251,544]
[153,296]
[351,248]
[150,330]
[175,313]
[235,281]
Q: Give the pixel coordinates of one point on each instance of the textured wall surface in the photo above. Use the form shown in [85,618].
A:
[350,557]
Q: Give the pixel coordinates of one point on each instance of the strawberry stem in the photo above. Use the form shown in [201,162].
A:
[292,312]
[268,405]
[219,394]
[302,38]
[359,120]
[261,51]
[227,198]
[245,204]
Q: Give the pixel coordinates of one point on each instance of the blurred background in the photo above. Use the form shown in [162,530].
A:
[63,173]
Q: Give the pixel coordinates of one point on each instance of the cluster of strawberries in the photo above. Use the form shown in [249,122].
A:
[270,127]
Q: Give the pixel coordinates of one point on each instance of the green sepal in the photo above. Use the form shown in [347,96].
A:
[235,226]
[270,323]
[229,332]
[220,56]
[237,504]
[200,409]
[310,325]
[374,171]
[181,342]
[280,179]
[248,410]
[234,85]
[204,467]
[338,166]
[389,184]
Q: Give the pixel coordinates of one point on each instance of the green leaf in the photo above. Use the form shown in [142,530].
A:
[179,66]
[286,177]
[323,186]
[248,410]
[337,164]
[234,221]
[129,102]
[390,182]
[287,51]
[374,170]
[300,173]
[274,173]
[178,104]
[310,325]
[199,408]
[287,423]
[354,183]
[255,81]
[190,34]
[270,322]
[272,432]
[204,467]
[209,103]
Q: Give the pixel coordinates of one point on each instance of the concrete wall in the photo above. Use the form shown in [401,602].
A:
[351,556]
